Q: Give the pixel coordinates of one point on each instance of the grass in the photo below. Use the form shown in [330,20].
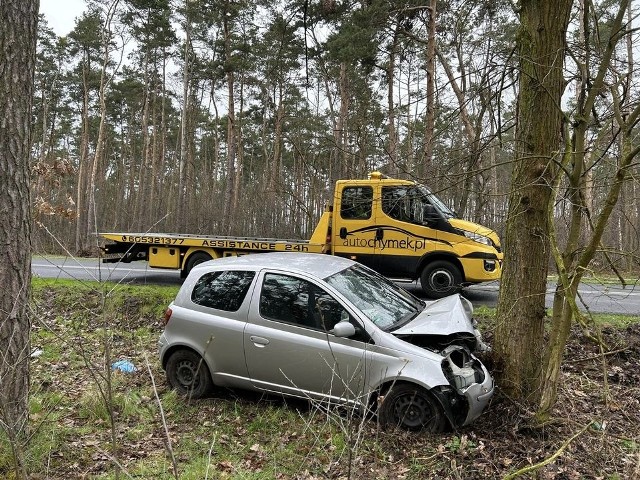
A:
[233,435]
[487,316]
[616,321]
[595,278]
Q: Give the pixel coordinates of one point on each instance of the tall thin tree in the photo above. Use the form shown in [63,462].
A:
[19,20]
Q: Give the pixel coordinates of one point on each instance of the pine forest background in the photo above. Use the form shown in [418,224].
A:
[235,117]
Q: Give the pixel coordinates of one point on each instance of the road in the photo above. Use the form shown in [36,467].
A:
[93,269]
[599,298]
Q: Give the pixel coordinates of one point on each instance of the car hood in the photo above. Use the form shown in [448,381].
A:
[447,316]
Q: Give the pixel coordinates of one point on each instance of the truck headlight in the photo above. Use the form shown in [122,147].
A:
[476,237]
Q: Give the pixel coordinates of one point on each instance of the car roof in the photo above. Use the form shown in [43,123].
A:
[319,265]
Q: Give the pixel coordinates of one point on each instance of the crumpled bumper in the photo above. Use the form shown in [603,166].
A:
[478,396]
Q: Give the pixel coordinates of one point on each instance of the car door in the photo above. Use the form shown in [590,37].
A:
[288,347]
[407,235]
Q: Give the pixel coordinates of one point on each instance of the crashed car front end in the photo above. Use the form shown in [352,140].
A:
[446,327]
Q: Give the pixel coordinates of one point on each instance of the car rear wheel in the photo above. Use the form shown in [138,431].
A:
[412,408]
[188,374]
[440,279]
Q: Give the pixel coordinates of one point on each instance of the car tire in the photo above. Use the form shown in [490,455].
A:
[195,259]
[188,374]
[411,407]
[440,279]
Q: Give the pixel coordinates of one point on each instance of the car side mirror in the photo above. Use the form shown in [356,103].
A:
[343,330]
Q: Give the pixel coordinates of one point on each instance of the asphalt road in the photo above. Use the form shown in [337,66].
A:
[598,298]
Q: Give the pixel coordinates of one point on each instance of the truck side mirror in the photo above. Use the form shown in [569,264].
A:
[430,214]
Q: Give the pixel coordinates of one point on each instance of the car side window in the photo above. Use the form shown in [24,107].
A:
[224,290]
[294,300]
[356,203]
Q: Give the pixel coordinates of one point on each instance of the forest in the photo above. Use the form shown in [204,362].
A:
[236,117]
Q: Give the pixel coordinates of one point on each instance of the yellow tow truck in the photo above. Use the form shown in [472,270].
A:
[397,227]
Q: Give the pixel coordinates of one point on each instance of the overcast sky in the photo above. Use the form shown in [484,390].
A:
[61,15]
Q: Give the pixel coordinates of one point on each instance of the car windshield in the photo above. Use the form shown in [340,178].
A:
[382,301]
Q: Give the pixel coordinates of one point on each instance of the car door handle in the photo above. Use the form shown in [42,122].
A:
[259,341]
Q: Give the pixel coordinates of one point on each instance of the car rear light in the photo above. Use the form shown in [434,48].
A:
[167,316]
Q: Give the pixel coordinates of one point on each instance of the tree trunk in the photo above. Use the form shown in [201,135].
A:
[140,220]
[629,198]
[521,305]
[82,213]
[470,165]
[19,19]
[338,166]
[159,203]
[573,260]
[430,121]
[392,151]
[100,144]
[181,197]
[230,174]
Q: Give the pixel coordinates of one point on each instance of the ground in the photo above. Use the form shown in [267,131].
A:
[237,434]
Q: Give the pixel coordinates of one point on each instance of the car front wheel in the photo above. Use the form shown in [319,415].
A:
[412,408]
[188,374]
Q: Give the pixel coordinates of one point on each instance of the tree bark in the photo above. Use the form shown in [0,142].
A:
[19,19]
[521,306]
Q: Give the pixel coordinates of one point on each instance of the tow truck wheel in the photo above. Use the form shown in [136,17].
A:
[440,279]
[413,408]
[195,259]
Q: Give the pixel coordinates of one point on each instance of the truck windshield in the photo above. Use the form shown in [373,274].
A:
[409,203]
[382,301]
[437,203]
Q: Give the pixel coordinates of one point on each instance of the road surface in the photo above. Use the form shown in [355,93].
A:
[599,298]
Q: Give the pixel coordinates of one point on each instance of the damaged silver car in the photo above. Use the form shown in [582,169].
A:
[329,330]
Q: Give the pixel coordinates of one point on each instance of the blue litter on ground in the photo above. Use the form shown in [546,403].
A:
[124,366]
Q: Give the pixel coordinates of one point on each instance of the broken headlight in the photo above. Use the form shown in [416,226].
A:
[461,368]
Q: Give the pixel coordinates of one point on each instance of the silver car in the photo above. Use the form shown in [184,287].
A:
[327,329]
